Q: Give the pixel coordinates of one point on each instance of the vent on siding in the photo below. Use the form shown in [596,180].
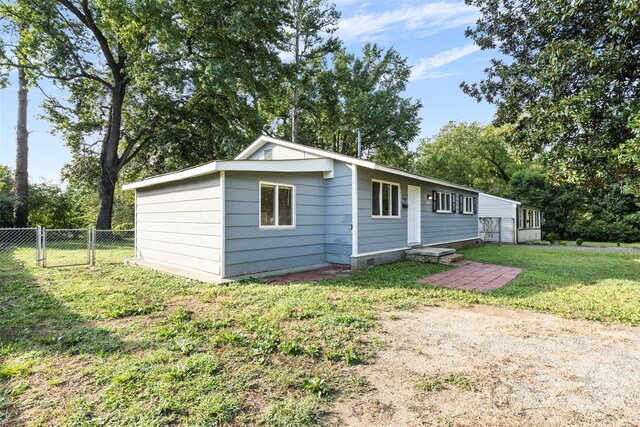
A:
[370,262]
[268,154]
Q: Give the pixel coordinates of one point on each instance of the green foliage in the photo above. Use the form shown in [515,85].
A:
[579,241]
[51,206]
[366,92]
[469,154]
[152,79]
[316,386]
[7,200]
[568,83]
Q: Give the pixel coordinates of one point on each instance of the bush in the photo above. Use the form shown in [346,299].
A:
[579,241]
[552,237]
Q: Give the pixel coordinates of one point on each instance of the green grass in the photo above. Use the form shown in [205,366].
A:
[121,345]
[604,244]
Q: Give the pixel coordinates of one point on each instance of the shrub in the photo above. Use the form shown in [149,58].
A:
[552,237]
[579,241]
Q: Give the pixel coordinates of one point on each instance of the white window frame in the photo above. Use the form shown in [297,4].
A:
[464,205]
[277,185]
[390,216]
[440,210]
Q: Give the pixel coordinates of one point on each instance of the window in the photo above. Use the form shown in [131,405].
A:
[276,205]
[536,219]
[444,202]
[385,199]
[468,205]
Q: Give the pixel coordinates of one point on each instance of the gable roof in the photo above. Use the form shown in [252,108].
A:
[501,198]
[258,143]
[304,165]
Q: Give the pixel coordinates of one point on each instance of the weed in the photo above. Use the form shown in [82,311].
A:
[316,386]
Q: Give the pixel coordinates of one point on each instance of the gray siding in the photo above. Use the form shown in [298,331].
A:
[338,215]
[179,224]
[278,152]
[250,249]
[376,234]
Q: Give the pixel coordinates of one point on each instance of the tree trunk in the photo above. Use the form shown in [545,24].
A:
[109,159]
[294,116]
[21,184]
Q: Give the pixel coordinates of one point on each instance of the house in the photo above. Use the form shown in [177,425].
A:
[283,206]
[519,223]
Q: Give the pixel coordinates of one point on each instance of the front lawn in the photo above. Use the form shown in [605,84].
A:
[120,345]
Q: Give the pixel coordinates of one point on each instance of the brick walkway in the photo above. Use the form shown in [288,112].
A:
[332,272]
[474,276]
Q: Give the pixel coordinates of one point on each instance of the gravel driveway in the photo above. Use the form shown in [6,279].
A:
[491,366]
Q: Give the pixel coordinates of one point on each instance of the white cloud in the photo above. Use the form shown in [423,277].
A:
[425,66]
[423,19]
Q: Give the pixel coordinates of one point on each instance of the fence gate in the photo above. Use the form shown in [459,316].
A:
[63,247]
[491,229]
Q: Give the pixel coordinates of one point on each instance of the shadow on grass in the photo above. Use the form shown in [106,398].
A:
[33,319]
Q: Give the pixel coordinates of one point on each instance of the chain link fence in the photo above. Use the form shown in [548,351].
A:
[113,246]
[491,229]
[47,247]
[19,243]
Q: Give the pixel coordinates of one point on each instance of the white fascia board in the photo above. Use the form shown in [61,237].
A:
[258,143]
[501,198]
[304,165]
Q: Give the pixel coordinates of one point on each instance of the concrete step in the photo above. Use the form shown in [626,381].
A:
[450,259]
[433,255]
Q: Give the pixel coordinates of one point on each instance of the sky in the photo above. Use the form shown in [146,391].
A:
[430,34]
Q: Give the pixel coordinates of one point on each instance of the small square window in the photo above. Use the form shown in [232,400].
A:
[276,205]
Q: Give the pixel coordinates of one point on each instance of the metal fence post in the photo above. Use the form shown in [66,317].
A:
[44,247]
[499,230]
[38,243]
[93,245]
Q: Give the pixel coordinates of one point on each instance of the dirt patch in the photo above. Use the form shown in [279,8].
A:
[517,368]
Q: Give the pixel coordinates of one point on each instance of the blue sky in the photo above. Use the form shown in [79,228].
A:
[429,33]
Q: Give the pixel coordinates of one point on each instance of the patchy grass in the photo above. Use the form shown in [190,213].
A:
[121,345]
[441,382]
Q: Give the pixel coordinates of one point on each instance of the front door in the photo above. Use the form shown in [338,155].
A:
[413,215]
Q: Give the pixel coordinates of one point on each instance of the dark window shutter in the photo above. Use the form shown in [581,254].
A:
[461,203]
[475,205]
[453,202]
[434,196]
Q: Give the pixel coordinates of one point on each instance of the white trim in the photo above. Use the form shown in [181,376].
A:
[501,198]
[277,186]
[354,209]
[135,224]
[391,183]
[451,201]
[419,242]
[464,205]
[255,146]
[223,211]
[297,165]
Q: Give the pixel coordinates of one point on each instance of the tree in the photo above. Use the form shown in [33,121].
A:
[21,184]
[134,70]
[7,197]
[363,92]
[570,85]
[469,154]
[312,20]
